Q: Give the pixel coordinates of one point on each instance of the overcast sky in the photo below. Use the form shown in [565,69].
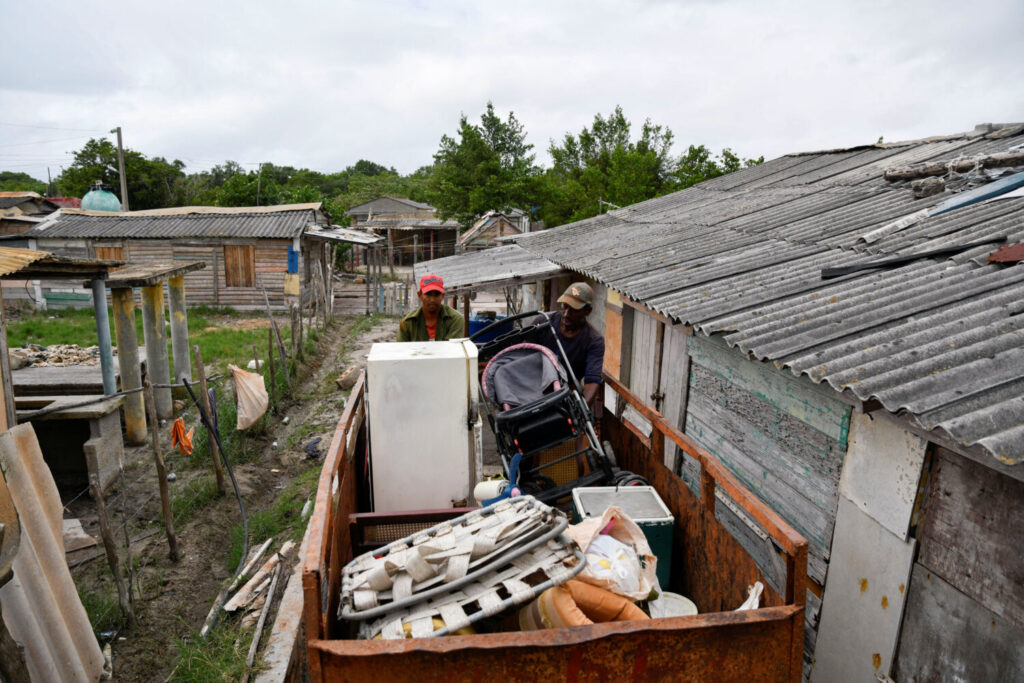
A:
[323,84]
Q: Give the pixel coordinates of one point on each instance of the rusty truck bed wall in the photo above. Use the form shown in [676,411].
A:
[710,567]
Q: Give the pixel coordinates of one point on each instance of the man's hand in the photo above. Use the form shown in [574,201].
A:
[590,393]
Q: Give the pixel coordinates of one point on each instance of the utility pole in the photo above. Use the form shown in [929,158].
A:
[259,176]
[120,170]
[49,183]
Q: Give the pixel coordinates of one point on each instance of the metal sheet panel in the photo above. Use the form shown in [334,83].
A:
[488,268]
[882,470]
[743,253]
[40,603]
[861,610]
[13,260]
[281,225]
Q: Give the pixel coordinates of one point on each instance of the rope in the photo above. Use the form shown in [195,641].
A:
[106,397]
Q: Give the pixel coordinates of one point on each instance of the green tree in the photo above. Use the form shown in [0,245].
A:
[698,165]
[11,181]
[604,164]
[152,183]
[489,166]
[248,189]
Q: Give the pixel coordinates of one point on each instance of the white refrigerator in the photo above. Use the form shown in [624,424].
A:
[424,425]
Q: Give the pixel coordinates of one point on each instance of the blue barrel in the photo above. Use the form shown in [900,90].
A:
[477,323]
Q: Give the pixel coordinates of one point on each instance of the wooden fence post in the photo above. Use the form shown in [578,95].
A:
[161,471]
[218,468]
[270,360]
[107,535]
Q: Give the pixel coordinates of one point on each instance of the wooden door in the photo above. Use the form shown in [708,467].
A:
[239,266]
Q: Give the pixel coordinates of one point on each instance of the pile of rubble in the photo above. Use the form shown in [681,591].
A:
[34,355]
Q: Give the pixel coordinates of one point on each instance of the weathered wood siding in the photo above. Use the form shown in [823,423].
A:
[782,436]
[965,608]
[206,286]
[971,517]
[948,636]
[675,384]
[641,376]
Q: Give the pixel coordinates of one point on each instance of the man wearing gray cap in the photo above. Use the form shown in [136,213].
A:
[583,344]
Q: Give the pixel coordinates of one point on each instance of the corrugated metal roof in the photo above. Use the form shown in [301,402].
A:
[409,224]
[489,268]
[337,233]
[12,260]
[71,224]
[741,255]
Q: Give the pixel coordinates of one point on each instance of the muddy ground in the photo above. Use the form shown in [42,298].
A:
[172,598]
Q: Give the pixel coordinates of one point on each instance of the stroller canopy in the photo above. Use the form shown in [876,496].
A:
[522,374]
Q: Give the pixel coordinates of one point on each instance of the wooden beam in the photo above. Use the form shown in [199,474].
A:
[649,311]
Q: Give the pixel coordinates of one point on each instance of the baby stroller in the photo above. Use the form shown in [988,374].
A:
[534,404]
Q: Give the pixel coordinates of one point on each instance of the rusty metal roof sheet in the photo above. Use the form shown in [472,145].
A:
[12,260]
[212,224]
[741,255]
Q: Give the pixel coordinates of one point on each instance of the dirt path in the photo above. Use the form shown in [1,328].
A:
[172,599]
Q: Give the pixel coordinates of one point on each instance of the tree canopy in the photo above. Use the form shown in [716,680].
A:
[490,166]
[153,183]
[11,181]
[483,166]
[604,164]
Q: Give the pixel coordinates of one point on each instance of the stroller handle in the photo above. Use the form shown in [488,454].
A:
[503,321]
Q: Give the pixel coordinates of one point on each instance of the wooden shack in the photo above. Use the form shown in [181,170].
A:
[245,249]
[490,229]
[880,412]
[412,230]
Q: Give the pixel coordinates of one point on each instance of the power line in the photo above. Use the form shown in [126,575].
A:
[42,142]
[74,130]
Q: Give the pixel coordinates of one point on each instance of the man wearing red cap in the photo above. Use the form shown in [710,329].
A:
[433,320]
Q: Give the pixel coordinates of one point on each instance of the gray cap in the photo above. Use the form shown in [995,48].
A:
[577,295]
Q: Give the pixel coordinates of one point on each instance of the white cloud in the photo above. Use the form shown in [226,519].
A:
[324,84]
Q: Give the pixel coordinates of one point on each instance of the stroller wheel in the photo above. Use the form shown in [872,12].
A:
[630,479]
[537,484]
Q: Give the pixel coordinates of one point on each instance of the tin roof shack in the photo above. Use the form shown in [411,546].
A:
[491,227]
[881,413]
[20,211]
[244,248]
[413,232]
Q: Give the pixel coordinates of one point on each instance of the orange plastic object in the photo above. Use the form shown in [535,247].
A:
[179,438]
[575,603]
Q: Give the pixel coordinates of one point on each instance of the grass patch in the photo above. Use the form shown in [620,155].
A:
[215,659]
[218,343]
[195,495]
[283,520]
[103,609]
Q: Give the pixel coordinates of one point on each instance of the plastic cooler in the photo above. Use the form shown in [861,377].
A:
[644,506]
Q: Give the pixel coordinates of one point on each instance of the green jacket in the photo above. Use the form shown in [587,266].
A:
[450,325]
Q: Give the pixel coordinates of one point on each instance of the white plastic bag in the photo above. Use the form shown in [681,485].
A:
[753,600]
[252,396]
[617,526]
[614,562]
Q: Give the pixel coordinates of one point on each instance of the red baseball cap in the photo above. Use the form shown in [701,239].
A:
[431,283]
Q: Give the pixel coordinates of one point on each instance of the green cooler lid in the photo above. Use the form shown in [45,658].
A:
[641,503]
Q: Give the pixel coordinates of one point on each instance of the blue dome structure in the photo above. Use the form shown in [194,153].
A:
[100,198]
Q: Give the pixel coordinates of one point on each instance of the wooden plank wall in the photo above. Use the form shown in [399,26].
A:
[270,261]
[967,590]
[782,436]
